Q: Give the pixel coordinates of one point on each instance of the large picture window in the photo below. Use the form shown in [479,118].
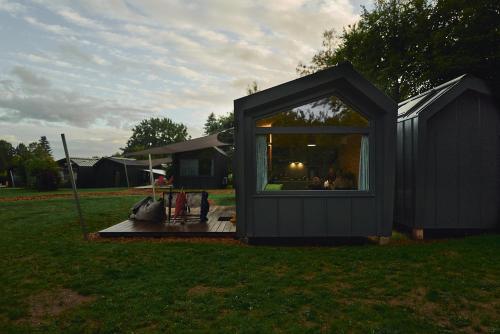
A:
[291,155]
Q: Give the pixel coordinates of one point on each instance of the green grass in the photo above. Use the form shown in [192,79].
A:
[15,192]
[442,286]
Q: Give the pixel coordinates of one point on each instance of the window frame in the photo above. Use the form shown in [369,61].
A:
[369,131]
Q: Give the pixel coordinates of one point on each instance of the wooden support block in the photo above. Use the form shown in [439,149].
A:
[417,234]
[383,240]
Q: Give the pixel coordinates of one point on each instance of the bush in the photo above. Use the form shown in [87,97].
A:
[43,172]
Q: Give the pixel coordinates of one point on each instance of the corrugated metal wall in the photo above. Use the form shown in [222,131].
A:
[459,166]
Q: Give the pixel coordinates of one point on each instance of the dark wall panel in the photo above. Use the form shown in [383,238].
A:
[364,216]
[469,157]
[399,211]
[315,221]
[490,164]
[290,217]
[339,216]
[408,185]
[265,217]
[447,173]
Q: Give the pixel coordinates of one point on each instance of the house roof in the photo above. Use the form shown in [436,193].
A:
[439,95]
[344,74]
[133,162]
[81,162]
[185,146]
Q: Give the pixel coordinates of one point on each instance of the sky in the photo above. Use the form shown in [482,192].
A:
[93,69]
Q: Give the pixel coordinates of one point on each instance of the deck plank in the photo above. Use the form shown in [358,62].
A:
[212,228]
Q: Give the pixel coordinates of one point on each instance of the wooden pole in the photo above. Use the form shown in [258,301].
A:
[152,177]
[75,192]
[12,178]
[126,173]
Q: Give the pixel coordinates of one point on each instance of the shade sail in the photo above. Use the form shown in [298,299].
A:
[133,162]
[185,146]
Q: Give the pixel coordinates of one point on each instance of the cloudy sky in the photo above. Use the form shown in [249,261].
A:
[92,69]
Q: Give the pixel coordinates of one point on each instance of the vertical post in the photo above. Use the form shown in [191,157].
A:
[151,177]
[126,173]
[75,192]
[12,178]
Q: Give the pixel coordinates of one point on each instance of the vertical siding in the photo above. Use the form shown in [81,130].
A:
[489,162]
[315,217]
[461,171]
[406,157]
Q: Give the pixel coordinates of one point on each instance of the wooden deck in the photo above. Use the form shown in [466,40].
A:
[191,228]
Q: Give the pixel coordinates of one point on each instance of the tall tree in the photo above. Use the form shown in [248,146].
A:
[407,46]
[7,153]
[216,124]
[44,145]
[211,125]
[155,132]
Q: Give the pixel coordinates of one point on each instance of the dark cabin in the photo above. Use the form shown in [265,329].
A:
[200,169]
[199,163]
[83,171]
[315,157]
[448,158]
[114,171]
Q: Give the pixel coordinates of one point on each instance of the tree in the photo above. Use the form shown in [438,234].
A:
[44,145]
[407,46]
[211,125]
[216,124]
[7,153]
[155,132]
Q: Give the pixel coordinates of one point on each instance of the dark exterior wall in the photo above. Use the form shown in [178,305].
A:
[221,164]
[85,177]
[112,174]
[453,182]
[316,213]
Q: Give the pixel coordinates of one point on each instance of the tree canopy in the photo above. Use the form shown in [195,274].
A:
[155,132]
[33,164]
[407,46]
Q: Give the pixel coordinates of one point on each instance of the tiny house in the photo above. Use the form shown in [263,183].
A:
[201,169]
[448,158]
[198,163]
[123,172]
[315,157]
[83,171]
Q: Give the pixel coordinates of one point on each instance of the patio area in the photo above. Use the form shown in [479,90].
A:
[218,225]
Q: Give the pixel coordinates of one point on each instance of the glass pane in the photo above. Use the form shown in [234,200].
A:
[329,111]
[312,162]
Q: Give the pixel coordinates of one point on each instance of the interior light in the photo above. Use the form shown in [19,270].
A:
[311,145]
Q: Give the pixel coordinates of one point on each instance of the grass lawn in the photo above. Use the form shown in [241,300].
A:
[53,281]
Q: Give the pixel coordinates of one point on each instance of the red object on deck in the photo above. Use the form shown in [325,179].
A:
[180,205]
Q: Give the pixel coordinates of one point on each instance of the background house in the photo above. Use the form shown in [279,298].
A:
[125,172]
[448,158]
[199,163]
[83,171]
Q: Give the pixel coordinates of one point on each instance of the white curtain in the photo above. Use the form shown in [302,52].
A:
[363,180]
[261,156]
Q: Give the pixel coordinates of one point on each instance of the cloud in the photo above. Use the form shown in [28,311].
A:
[53,28]
[33,98]
[75,18]
[28,78]
[109,64]
[12,7]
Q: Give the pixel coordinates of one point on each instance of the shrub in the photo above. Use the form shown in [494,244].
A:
[43,173]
